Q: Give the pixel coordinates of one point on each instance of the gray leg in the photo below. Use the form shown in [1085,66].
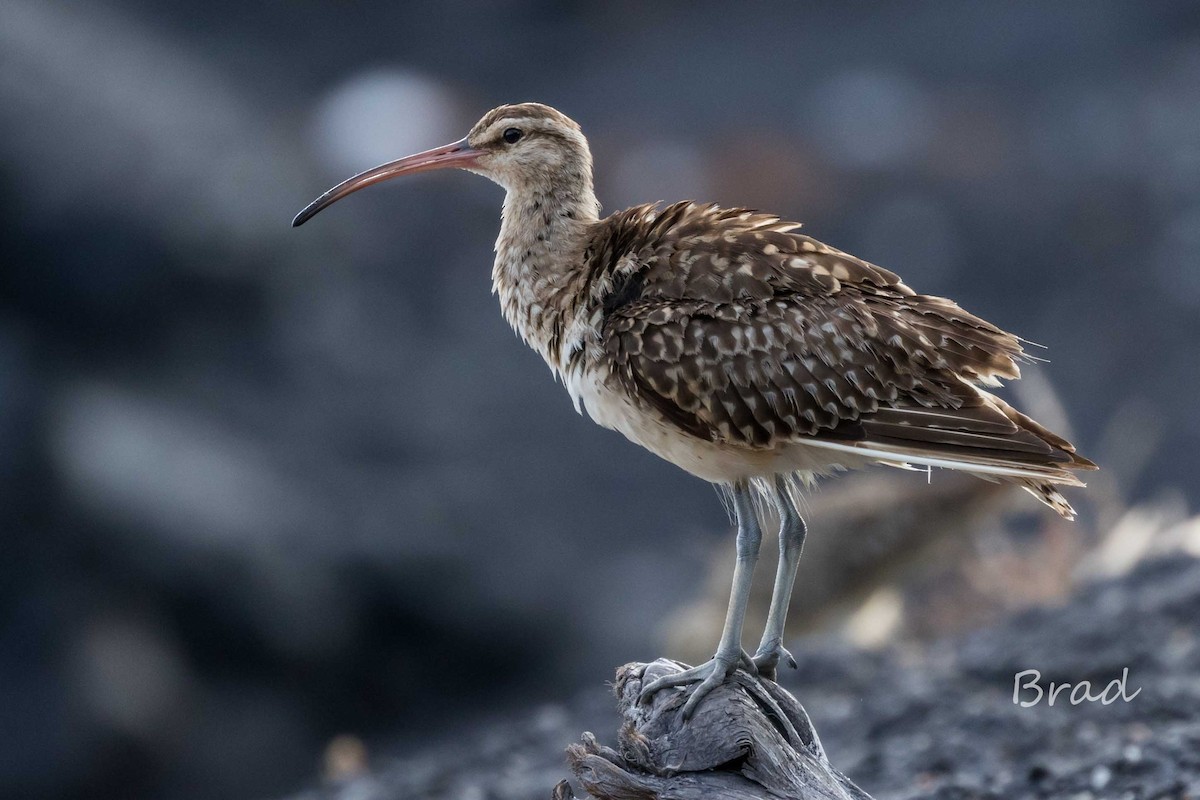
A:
[792,531]
[730,654]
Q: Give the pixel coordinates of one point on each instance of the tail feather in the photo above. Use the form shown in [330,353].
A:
[1051,497]
[984,436]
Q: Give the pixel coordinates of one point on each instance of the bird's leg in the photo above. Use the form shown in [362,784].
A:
[792,531]
[730,654]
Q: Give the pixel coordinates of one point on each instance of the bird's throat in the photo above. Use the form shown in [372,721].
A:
[539,262]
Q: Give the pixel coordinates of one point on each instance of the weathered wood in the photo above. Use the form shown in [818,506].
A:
[749,740]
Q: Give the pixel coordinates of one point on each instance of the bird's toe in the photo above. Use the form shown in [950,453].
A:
[707,677]
[701,691]
[767,659]
[671,681]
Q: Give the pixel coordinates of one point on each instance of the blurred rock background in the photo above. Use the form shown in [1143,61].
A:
[264,488]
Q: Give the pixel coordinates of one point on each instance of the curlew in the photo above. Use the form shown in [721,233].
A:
[748,354]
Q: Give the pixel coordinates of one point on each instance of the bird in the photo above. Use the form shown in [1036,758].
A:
[728,343]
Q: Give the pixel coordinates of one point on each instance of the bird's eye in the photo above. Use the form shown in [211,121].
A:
[512,135]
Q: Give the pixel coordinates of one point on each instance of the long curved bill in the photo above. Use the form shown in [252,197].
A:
[457,154]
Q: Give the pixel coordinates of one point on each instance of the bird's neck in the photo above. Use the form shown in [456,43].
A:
[539,261]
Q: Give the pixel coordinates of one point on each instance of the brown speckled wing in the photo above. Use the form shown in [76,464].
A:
[740,331]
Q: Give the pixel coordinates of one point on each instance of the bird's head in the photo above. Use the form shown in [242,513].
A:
[522,147]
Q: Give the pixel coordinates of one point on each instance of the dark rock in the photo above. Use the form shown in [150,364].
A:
[939,725]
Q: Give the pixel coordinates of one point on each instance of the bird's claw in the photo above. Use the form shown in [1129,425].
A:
[707,676]
[768,657]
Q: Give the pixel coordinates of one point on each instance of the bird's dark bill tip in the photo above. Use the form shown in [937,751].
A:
[303,217]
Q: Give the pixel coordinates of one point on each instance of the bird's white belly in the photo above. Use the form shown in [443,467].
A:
[717,462]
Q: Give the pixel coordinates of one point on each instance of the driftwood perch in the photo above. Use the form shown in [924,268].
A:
[748,740]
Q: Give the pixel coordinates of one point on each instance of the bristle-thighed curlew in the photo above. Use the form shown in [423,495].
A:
[746,353]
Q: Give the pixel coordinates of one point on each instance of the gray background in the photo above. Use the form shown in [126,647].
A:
[261,485]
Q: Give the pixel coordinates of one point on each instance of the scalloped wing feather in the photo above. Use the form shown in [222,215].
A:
[739,330]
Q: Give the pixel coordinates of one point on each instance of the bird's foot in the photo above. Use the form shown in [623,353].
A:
[768,657]
[707,676]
